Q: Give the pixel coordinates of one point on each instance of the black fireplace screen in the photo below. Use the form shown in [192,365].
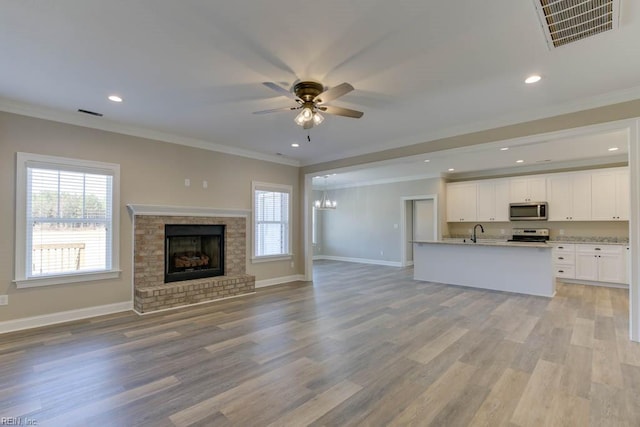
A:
[193,252]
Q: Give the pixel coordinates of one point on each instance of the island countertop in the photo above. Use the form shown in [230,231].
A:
[468,242]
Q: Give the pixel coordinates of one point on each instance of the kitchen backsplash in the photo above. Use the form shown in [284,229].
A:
[577,231]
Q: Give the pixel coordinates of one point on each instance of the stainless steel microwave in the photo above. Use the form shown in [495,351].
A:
[529,211]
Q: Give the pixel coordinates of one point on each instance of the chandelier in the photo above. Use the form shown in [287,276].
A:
[325,204]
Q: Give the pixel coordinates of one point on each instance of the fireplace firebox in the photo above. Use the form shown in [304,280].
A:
[193,252]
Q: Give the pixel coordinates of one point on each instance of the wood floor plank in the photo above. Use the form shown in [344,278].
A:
[424,408]
[498,407]
[538,395]
[313,409]
[437,346]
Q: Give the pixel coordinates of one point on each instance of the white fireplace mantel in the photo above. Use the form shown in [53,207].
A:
[161,210]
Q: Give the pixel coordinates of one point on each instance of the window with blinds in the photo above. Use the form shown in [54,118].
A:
[68,219]
[271,214]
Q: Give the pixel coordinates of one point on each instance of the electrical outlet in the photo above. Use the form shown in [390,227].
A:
[4,299]
[502,231]
[205,184]
[187,182]
[395,225]
[293,264]
[381,252]
[561,232]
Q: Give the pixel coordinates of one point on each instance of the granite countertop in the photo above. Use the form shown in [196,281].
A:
[556,239]
[484,242]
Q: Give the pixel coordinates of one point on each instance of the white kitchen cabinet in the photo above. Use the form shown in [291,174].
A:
[493,200]
[569,196]
[462,202]
[528,189]
[610,195]
[564,260]
[601,263]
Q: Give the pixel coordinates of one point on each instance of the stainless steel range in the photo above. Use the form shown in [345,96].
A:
[540,235]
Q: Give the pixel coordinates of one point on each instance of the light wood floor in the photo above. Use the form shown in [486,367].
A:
[364,345]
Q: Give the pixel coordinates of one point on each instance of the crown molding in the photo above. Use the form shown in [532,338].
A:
[100,123]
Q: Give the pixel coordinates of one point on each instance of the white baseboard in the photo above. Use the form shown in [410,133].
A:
[63,316]
[279,280]
[359,260]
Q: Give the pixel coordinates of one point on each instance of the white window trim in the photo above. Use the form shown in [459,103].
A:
[20,279]
[265,186]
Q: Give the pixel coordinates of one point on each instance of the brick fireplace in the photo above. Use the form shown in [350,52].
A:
[151,293]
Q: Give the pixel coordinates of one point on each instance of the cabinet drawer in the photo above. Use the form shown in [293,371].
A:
[566,271]
[564,248]
[561,258]
[600,249]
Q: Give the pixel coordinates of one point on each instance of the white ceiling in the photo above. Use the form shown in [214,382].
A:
[193,70]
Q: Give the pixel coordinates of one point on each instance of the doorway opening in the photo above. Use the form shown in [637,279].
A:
[419,222]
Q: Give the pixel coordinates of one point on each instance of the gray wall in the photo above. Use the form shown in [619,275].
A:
[362,226]
[151,172]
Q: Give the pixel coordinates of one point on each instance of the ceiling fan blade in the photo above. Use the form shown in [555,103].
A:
[282,91]
[333,93]
[339,111]
[275,110]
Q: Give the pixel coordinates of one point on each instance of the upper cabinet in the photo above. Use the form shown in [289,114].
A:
[528,189]
[594,195]
[462,202]
[569,196]
[493,200]
[610,195]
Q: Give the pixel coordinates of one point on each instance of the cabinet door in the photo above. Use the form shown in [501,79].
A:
[518,190]
[581,196]
[559,198]
[486,201]
[502,200]
[611,268]
[528,189]
[537,189]
[586,266]
[603,196]
[622,195]
[461,202]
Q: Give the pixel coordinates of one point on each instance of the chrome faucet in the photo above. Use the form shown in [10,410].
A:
[474,239]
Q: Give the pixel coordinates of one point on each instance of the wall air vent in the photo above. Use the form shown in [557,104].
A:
[567,21]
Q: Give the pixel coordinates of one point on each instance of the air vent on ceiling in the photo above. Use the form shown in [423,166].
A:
[567,21]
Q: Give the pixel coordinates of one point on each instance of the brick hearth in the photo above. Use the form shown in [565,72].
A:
[150,291]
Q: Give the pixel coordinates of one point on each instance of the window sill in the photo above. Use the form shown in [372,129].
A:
[66,279]
[257,260]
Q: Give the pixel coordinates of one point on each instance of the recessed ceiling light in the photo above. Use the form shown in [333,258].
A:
[115,98]
[295,145]
[613,149]
[519,161]
[532,79]
[427,161]
[504,148]
[451,169]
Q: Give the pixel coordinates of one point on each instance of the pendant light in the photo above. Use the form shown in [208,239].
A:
[325,204]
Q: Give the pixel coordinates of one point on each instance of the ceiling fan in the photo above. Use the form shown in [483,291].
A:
[311,98]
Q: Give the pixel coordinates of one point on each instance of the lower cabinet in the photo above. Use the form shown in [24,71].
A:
[564,260]
[601,263]
[595,263]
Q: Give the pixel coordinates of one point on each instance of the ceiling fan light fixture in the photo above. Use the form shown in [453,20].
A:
[317,118]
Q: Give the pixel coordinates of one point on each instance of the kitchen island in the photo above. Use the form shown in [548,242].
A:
[525,268]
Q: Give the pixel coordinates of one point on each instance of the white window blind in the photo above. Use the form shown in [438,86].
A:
[68,220]
[271,221]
